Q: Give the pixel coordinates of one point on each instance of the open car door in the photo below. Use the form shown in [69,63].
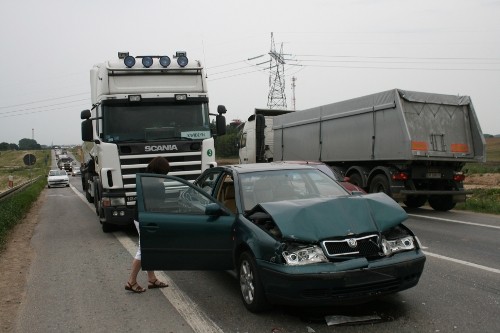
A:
[181,226]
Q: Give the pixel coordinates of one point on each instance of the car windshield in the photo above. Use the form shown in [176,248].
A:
[57,173]
[278,185]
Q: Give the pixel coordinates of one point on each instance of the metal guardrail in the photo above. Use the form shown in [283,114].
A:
[17,188]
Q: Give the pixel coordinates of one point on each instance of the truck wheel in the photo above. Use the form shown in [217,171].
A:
[107,227]
[442,203]
[415,201]
[88,196]
[355,179]
[252,291]
[380,183]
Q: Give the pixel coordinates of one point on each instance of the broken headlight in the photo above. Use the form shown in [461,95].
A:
[397,245]
[304,255]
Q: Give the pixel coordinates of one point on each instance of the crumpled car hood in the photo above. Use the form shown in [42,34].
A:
[316,219]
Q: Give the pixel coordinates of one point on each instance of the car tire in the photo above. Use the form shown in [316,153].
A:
[251,289]
[355,179]
[442,203]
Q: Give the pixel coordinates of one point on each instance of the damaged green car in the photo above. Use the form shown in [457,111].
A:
[293,235]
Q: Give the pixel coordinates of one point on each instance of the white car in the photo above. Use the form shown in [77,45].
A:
[76,171]
[57,177]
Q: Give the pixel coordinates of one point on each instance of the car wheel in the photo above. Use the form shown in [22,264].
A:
[355,179]
[380,183]
[252,291]
[442,203]
[415,201]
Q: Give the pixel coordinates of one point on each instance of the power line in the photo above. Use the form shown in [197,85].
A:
[42,100]
[43,106]
[40,111]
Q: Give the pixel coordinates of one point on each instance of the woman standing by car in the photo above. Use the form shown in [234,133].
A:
[158,165]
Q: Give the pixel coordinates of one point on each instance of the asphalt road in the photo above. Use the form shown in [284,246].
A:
[76,283]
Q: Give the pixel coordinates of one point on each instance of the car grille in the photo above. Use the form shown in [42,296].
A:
[366,246]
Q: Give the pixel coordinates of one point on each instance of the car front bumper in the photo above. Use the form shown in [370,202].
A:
[350,282]
[58,183]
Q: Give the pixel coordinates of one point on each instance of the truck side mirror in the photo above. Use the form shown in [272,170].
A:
[87,130]
[220,124]
[85,114]
[221,109]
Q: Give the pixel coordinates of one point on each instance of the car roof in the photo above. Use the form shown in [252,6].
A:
[254,167]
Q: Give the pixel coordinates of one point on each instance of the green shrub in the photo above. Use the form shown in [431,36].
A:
[482,201]
[15,208]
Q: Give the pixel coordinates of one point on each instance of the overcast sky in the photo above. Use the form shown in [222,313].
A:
[338,49]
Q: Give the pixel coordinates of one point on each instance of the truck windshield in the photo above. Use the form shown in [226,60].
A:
[157,121]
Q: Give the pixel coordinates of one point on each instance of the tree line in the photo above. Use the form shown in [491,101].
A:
[24,144]
[227,145]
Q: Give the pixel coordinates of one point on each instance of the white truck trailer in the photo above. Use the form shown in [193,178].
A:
[410,145]
[139,111]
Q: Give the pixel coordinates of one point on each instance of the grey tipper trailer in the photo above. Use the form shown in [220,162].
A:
[411,145]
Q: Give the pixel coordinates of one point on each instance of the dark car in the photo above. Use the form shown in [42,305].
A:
[292,234]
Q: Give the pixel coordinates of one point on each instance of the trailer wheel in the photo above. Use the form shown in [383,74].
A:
[442,203]
[380,183]
[415,201]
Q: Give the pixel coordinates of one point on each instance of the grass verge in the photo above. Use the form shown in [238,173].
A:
[15,208]
[482,201]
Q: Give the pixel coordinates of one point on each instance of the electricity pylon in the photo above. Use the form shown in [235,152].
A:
[276,98]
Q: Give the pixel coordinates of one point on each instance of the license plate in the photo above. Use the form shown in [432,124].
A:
[434,175]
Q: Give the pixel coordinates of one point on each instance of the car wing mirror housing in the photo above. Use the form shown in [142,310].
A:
[214,209]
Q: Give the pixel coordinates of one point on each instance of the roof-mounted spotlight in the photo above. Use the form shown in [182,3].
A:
[147,61]
[164,61]
[182,59]
[129,61]
[122,55]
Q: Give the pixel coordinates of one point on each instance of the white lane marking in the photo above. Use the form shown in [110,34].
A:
[188,309]
[456,221]
[458,261]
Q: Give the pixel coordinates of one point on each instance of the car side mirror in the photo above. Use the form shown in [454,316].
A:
[214,209]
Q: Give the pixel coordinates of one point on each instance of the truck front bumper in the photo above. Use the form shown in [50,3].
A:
[119,215]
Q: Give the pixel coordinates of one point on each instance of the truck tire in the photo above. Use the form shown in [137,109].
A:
[107,227]
[442,203]
[380,183]
[415,201]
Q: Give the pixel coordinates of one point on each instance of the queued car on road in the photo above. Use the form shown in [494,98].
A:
[292,234]
[344,181]
[76,171]
[57,177]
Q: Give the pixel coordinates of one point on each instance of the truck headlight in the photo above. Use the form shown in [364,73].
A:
[304,256]
[108,202]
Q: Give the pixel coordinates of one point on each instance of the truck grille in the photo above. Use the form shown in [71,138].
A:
[186,167]
[366,246]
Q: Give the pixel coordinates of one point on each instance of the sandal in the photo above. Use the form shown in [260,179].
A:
[134,288]
[157,284]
